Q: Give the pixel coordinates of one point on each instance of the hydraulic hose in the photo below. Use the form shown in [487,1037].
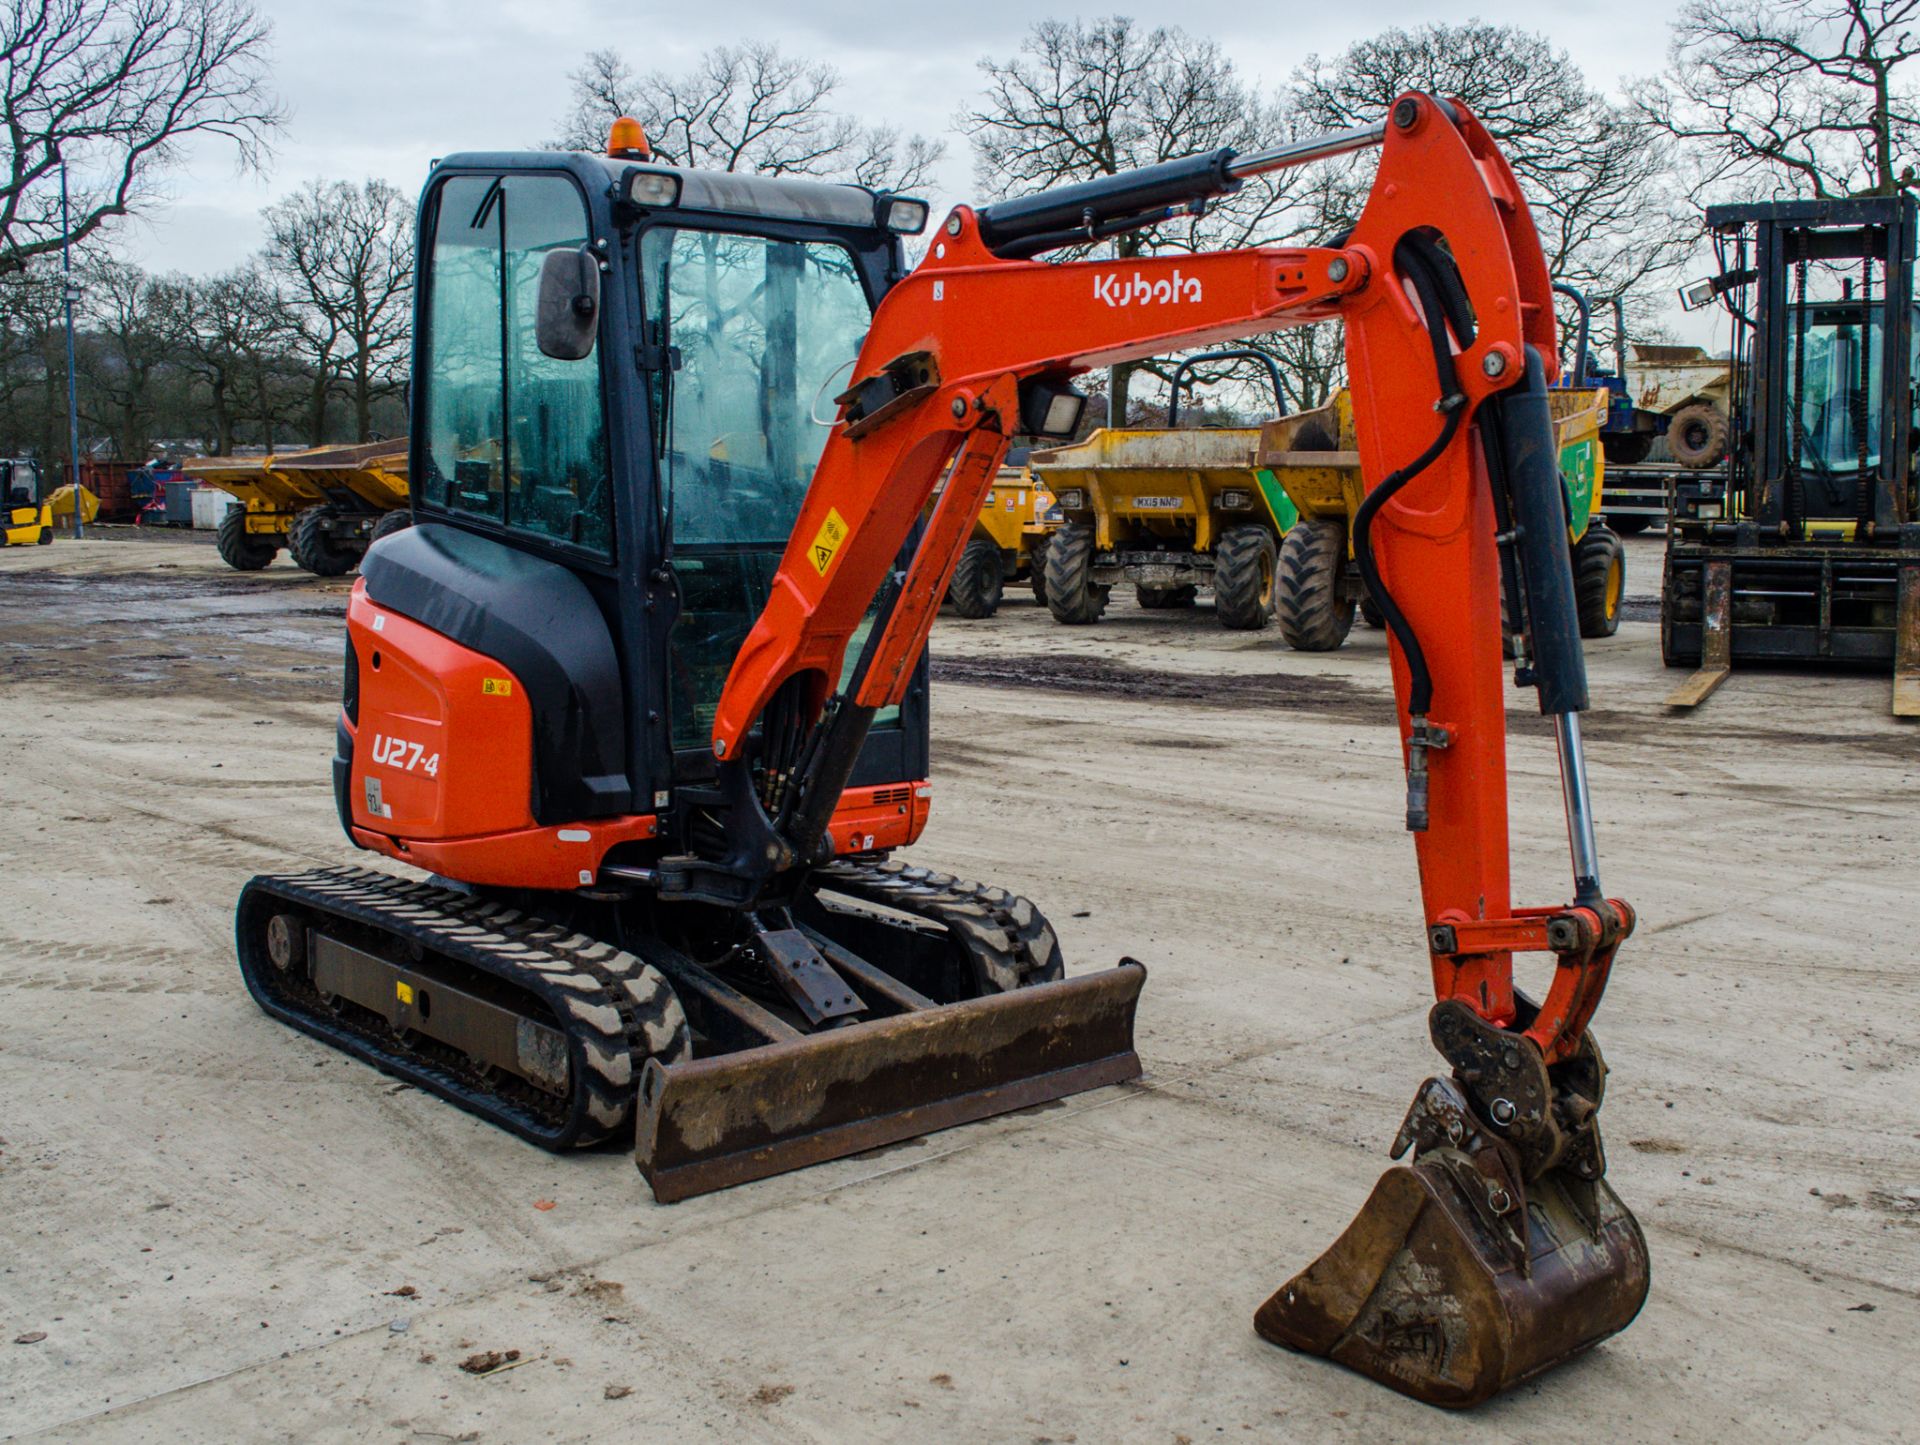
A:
[1444,302]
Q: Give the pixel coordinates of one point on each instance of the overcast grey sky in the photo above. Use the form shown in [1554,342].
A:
[378,88]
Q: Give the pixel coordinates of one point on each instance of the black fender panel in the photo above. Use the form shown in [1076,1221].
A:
[540,622]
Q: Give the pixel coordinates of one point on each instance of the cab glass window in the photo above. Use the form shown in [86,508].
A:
[513,436]
[760,335]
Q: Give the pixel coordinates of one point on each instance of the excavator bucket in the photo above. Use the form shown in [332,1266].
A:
[712,1123]
[1448,1288]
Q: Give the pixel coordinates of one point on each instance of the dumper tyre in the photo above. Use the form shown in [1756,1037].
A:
[1073,597]
[1697,436]
[1370,612]
[1629,524]
[1245,567]
[1037,570]
[1599,581]
[393,522]
[977,579]
[1626,449]
[1165,596]
[314,550]
[240,549]
[45,538]
[1314,607]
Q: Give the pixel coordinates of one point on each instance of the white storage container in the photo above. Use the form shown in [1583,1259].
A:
[209,506]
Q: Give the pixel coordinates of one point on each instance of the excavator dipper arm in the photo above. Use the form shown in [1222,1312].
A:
[1450,342]
[961,346]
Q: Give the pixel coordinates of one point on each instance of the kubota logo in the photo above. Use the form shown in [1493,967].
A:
[1137,290]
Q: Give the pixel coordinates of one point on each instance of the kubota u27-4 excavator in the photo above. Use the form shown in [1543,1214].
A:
[644,690]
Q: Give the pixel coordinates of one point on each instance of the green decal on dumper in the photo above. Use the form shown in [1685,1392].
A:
[1578,473]
[1279,505]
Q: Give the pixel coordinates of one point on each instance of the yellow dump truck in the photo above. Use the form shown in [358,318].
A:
[324,505]
[1314,457]
[1009,543]
[1169,509]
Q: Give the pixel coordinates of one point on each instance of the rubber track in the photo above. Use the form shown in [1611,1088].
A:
[616,1009]
[1009,939]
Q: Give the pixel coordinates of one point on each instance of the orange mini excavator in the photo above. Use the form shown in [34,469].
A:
[644,690]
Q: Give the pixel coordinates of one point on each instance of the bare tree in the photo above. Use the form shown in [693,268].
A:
[1083,100]
[1597,180]
[118,87]
[1802,96]
[32,363]
[233,334]
[744,108]
[344,257]
[126,354]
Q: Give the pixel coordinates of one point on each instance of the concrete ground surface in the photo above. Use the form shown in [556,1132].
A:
[213,1228]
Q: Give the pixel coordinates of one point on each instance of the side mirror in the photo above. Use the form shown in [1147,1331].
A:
[569,307]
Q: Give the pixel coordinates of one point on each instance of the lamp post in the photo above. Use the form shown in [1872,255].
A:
[73,405]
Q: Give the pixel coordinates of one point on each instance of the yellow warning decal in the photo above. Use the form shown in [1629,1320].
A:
[827,541]
[496,686]
[403,992]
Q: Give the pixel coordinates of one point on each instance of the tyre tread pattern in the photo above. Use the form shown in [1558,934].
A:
[1072,595]
[1713,450]
[311,548]
[1164,598]
[1593,559]
[1236,578]
[396,521]
[1314,611]
[1037,570]
[977,580]
[236,545]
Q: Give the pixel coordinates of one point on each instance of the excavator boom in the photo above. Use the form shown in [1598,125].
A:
[1446,302]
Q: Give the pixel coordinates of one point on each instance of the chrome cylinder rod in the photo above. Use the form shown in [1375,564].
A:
[1300,152]
[1322,147]
[1579,804]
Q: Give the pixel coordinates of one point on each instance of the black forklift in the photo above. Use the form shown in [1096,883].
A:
[1807,549]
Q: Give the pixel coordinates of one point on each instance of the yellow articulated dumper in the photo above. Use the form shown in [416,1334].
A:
[1170,510]
[1009,543]
[1315,459]
[324,505]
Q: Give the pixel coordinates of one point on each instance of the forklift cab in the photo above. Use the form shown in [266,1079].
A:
[28,515]
[1843,393]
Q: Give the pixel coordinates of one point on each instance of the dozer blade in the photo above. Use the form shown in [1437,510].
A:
[1423,1293]
[713,1123]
